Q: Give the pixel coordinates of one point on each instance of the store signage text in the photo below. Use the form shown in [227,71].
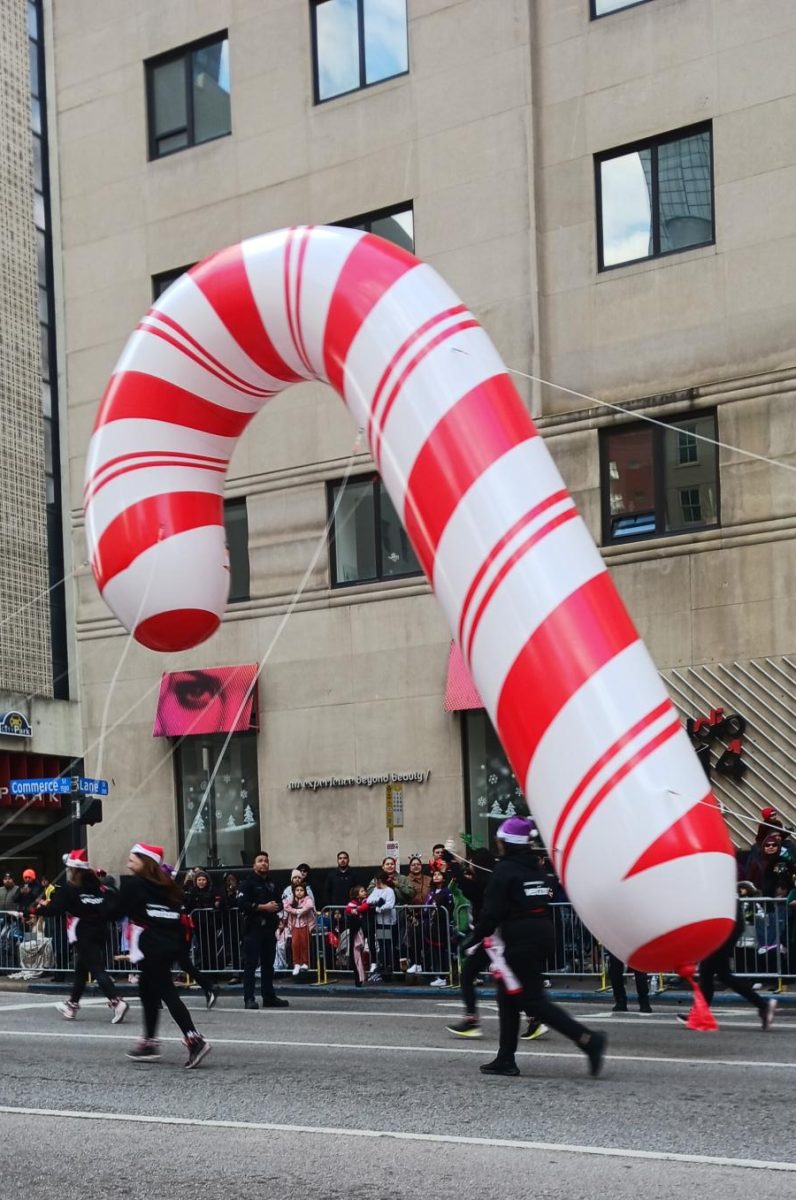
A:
[14,724]
[349,781]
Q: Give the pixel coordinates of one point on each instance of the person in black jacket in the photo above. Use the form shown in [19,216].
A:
[337,889]
[85,904]
[472,879]
[260,904]
[153,903]
[517,903]
[718,966]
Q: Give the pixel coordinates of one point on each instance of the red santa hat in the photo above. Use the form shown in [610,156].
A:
[77,859]
[147,851]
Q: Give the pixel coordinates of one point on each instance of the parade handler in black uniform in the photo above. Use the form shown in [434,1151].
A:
[517,905]
[260,902]
[85,903]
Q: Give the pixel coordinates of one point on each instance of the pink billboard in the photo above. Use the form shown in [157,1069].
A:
[210,700]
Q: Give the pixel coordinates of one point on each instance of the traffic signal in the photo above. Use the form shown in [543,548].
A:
[90,811]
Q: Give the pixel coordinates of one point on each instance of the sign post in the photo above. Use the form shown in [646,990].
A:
[394,815]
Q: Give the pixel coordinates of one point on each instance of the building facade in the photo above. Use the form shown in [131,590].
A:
[607,186]
[40,733]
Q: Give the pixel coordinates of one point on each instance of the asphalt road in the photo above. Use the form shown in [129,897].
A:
[363,1097]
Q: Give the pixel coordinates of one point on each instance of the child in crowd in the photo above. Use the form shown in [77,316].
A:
[300,909]
[355,913]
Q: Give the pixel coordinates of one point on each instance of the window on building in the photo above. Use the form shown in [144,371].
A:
[602,8]
[395,224]
[367,540]
[655,197]
[188,97]
[492,791]
[659,479]
[225,830]
[163,281]
[236,523]
[357,43]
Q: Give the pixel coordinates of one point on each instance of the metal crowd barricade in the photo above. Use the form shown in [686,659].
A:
[766,947]
[413,940]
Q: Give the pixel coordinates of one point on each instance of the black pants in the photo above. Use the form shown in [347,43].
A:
[90,960]
[189,967]
[259,949]
[616,974]
[717,966]
[472,966]
[155,985]
[527,961]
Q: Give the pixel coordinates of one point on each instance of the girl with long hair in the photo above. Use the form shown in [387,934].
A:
[153,902]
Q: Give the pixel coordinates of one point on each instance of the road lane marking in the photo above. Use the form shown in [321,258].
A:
[712,1160]
[396,1049]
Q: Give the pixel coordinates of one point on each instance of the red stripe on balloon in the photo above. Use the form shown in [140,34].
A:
[153,331]
[520,523]
[162,458]
[405,346]
[144,466]
[372,267]
[479,429]
[301,235]
[441,337]
[644,723]
[147,522]
[224,280]
[621,773]
[149,324]
[132,395]
[701,830]
[585,631]
[532,540]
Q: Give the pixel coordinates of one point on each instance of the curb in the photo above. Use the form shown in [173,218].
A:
[668,999]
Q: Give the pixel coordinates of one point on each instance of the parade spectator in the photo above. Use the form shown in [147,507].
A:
[421,885]
[438,911]
[339,882]
[404,891]
[203,904]
[10,926]
[29,892]
[381,899]
[230,928]
[760,871]
[300,909]
[355,915]
[9,894]
[296,876]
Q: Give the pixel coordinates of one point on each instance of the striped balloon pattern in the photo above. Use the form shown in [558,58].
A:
[635,834]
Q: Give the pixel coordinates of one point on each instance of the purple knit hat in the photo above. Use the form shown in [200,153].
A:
[516,830]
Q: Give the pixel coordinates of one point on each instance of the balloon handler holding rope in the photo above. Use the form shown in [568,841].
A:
[615,788]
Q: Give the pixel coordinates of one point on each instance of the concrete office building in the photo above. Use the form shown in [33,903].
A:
[608,186]
[40,732]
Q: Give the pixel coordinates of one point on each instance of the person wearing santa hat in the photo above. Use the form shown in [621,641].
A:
[153,902]
[85,904]
[517,906]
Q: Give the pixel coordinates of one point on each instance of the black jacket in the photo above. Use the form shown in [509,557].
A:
[89,904]
[148,906]
[337,889]
[255,890]
[517,899]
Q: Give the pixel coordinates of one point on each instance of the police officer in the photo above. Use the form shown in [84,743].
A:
[517,903]
[260,904]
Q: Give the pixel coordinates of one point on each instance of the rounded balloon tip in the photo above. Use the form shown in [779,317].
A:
[688,944]
[178,629]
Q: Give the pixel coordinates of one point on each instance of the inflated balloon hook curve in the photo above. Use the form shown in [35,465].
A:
[580,709]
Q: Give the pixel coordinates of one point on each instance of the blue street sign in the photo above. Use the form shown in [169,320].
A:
[92,787]
[41,787]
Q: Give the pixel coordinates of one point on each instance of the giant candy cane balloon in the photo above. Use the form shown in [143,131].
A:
[614,785]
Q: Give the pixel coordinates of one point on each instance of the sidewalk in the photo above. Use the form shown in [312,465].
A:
[578,991]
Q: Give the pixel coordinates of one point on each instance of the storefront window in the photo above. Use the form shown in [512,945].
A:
[492,791]
[225,832]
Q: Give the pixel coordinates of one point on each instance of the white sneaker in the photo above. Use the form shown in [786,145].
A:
[67,1009]
[373,968]
[303,967]
[119,1011]
[416,969]
[296,969]
[439,983]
